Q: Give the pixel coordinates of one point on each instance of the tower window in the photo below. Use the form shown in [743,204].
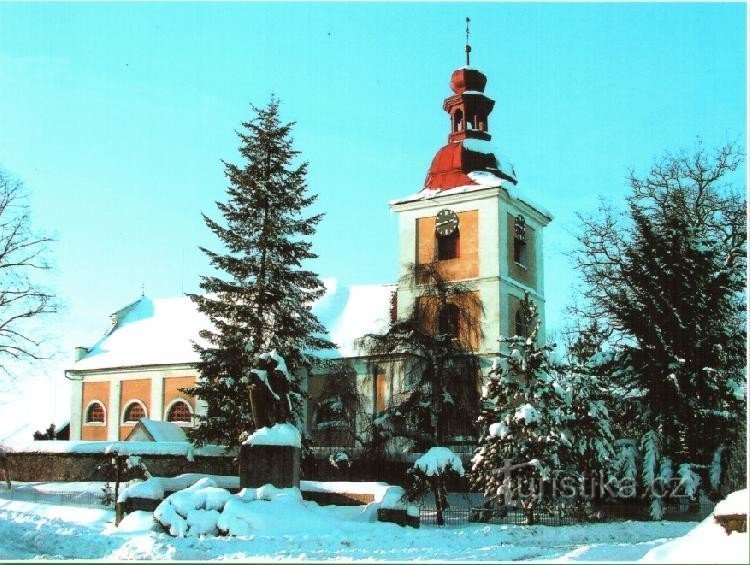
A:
[522,327]
[458,118]
[179,412]
[519,240]
[448,320]
[134,412]
[95,413]
[448,246]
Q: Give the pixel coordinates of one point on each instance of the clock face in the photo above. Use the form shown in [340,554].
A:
[446,222]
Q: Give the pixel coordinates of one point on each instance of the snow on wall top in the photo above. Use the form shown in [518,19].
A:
[122,447]
[736,503]
[279,434]
[162,331]
[482,180]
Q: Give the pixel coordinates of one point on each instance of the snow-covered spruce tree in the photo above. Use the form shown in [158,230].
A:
[431,356]
[668,278]
[261,299]
[544,430]
[733,476]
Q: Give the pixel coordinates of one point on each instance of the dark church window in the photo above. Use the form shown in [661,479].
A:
[448,246]
[458,117]
[95,413]
[134,412]
[522,327]
[448,320]
[180,412]
[519,240]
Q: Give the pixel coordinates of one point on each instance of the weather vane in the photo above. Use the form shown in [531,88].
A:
[468,47]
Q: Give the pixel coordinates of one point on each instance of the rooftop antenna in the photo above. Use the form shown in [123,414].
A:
[468,47]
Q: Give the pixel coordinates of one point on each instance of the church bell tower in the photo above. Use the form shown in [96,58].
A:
[472,220]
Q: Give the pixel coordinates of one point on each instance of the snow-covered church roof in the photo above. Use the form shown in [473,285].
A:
[162,331]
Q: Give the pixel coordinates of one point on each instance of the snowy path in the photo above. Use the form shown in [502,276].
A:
[30,530]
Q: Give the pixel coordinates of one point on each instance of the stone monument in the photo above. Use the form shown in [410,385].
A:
[272,453]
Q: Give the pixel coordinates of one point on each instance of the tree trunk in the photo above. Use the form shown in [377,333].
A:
[441,499]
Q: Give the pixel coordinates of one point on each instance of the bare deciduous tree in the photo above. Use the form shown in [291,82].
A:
[22,253]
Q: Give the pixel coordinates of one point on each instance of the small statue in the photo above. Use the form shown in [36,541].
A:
[269,391]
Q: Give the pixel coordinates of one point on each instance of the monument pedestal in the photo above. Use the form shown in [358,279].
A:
[278,465]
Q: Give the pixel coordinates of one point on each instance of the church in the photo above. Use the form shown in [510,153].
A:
[471,220]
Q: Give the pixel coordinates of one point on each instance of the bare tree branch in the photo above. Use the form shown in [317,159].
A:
[22,252]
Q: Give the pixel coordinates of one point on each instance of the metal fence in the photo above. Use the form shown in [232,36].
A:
[85,499]
[563,516]
[512,516]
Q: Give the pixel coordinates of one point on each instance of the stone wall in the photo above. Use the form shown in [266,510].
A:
[67,467]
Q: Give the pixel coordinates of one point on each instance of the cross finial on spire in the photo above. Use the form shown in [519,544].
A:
[468,47]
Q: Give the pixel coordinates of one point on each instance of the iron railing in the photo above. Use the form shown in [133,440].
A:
[85,499]
[454,516]
[561,516]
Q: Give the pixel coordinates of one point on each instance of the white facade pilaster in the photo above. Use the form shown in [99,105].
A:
[157,397]
[76,409]
[113,412]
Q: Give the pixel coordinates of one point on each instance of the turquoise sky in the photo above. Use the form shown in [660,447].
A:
[116,117]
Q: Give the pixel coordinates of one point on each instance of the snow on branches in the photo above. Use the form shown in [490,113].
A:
[537,421]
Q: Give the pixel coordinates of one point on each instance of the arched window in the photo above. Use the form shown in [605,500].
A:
[95,413]
[179,412]
[448,320]
[134,412]
[522,328]
[458,118]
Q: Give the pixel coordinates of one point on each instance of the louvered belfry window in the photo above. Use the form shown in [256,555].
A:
[519,240]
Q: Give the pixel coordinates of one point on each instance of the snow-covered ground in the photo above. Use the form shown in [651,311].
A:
[312,532]
[708,542]
[306,531]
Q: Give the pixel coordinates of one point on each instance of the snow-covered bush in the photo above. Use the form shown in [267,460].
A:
[205,509]
[193,511]
[152,488]
[430,473]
